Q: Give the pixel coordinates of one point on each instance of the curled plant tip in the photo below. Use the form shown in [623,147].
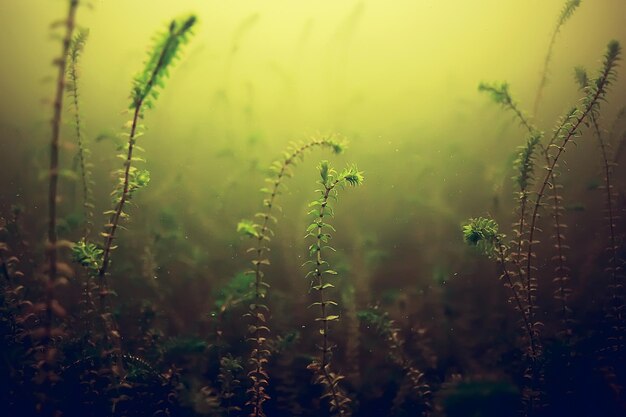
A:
[352,176]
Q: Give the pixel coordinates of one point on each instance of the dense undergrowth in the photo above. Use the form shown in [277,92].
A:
[147,322]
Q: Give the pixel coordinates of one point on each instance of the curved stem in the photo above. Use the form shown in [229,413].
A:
[601,83]
[260,249]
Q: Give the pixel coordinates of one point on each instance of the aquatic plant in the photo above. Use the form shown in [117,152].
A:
[614,312]
[501,95]
[484,232]
[52,307]
[229,369]
[145,91]
[319,230]
[414,379]
[73,89]
[566,13]
[566,133]
[525,165]
[262,233]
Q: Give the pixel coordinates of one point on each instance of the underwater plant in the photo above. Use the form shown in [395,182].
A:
[566,13]
[229,368]
[484,232]
[52,306]
[569,130]
[614,314]
[413,382]
[262,234]
[73,90]
[612,249]
[144,92]
[330,181]
[525,165]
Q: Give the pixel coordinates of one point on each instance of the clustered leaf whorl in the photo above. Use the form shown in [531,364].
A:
[89,255]
[483,234]
[165,51]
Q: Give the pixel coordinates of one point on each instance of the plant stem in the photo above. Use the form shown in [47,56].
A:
[51,247]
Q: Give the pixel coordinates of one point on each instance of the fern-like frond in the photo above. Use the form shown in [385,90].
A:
[162,55]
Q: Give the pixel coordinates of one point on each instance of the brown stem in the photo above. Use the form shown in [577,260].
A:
[51,248]
[518,300]
[609,206]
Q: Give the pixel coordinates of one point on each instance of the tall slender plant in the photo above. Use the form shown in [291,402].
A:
[52,244]
[76,49]
[262,232]
[319,229]
[144,93]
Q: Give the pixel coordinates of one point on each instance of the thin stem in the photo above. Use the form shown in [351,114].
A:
[322,300]
[81,151]
[518,300]
[54,169]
